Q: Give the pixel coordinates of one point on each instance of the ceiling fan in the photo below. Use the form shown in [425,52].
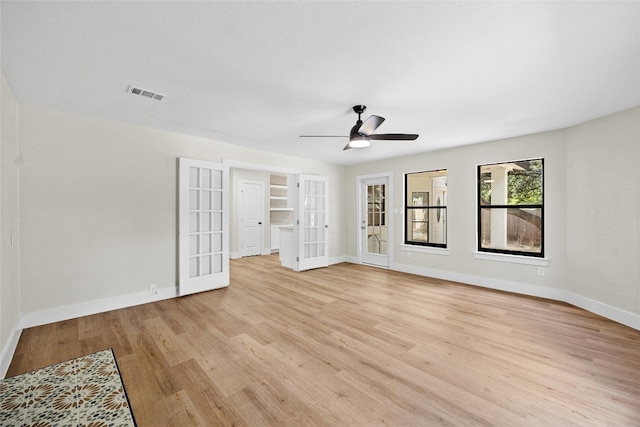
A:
[362,132]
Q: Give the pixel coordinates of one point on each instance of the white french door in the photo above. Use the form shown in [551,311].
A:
[374,220]
[203,226]
[313,222]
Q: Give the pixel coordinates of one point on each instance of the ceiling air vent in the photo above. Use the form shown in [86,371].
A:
[146,93]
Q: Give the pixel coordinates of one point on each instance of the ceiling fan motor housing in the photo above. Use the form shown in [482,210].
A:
[354,135]
[359,109]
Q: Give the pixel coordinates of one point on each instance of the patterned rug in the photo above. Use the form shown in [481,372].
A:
[86,391]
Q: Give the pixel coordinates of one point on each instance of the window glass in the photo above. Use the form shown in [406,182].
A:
[426,208]
[511,207]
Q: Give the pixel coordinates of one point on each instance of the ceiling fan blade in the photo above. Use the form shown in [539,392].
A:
[370,125]
[324,136]
[394,136]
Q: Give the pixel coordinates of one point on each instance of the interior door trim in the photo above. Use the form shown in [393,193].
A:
[391,212]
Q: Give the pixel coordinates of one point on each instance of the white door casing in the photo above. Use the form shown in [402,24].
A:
[203,226]
[251,217]
[374,221]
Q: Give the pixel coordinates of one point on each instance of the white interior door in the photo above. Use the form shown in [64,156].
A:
[203,226]
[312,222]
[374,221]
[251,217]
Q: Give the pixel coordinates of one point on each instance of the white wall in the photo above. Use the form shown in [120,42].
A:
[98,205]
[603,210]
[591,247]
[460,164]
[9,223]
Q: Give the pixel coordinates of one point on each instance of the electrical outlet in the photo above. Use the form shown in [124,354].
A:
[153,289]
[540,271]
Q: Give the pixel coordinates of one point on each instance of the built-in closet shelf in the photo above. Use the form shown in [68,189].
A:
[280,210]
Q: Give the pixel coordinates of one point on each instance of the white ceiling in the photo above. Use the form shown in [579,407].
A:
[260,74]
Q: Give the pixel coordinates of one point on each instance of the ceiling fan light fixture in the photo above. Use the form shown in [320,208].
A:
[359,141]
[362,132]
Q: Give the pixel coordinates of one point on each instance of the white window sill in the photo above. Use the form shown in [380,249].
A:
[514,259]
[425,249]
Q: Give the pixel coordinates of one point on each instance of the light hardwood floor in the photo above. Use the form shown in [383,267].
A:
[351,345]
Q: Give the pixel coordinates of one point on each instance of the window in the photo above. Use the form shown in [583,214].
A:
[426,208]
[511,208]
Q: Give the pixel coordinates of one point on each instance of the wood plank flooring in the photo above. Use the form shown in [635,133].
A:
[351,345]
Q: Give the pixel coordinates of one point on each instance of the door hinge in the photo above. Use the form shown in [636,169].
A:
[297,259]
[298,184]
[297,222]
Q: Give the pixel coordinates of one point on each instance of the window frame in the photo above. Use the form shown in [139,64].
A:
[408,213]
[480,207]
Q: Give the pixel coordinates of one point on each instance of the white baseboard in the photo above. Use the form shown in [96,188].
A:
[9,349]
[485,282]
[58,314]
[93,307]
[337,260]
[236,255]
[352,259]
[98,306]
[616,314]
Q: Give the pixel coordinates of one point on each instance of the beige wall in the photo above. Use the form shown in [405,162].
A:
[460,164]
[592,225]
[9,218]
[98,205]
[603,210]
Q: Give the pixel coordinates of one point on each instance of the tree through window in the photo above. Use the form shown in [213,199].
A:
[511,207]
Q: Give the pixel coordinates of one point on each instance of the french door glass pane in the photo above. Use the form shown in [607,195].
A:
[193,266]
[205,178]
[376,219]
[216,221]
[206,265]
[216,242]
[205,221]
[194,225]
[216,203]
[193,200]
[206,200]
[194,247]
[217,263]
[206,243]
[194,177]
